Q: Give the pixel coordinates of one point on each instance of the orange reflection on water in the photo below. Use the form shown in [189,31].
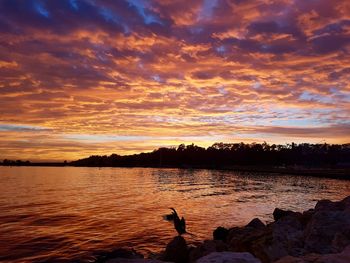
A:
[70,213]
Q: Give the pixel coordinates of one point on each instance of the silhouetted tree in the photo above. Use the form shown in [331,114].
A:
[228,154]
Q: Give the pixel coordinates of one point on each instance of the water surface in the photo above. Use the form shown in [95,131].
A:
[65,214]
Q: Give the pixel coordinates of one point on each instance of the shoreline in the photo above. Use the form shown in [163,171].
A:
[321,172]
[320,234]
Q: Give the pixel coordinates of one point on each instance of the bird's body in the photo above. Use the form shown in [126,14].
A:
[179,224]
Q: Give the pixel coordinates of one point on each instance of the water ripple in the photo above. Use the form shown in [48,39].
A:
[78,214]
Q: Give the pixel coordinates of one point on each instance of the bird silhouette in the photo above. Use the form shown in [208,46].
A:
[179,224]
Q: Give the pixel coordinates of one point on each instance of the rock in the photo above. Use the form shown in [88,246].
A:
[205,248]
[239,237]
[220,233]
[176,251]
[256,223]
[333,206]
[287,236]
[346,203]
[306,217]
[260,247]
[269,243]
[127,260]
[118,253]
[248,239]
[323,230]
[328,230]
[228,257]
[309,258]
[279,213]
[341,239]
[343,257]
[328,205]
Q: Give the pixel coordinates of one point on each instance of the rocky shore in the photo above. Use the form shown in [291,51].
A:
[318,235]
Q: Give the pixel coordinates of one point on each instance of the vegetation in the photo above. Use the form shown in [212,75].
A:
[221,155]
[7,162]
[15,163]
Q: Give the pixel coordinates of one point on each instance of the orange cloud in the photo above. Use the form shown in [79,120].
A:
[168,72]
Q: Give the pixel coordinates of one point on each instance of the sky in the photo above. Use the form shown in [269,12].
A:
[101,76]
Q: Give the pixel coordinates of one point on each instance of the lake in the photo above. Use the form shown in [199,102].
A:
[64,214]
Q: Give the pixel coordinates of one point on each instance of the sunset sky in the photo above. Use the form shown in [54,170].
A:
[103,76]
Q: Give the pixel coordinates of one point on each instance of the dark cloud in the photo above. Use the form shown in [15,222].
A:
[330,43]
[67,15]
[336,75]
[275,28]
[164,67]
[333,28]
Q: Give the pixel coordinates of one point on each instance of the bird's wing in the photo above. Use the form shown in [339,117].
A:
[174,211]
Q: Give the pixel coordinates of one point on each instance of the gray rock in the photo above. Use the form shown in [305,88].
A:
[205,248]
[327,205]
[346,203]
[256,223]
[328,231]
[128,260]
[125,253]
[255,241]
[176,251]
[306,217]
[280,213]
[333,206]
[287,234]
[271,242]
[343,257]
[229,257]
[220,233]
[341,239]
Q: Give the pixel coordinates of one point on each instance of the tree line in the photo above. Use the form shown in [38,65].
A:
[221,155]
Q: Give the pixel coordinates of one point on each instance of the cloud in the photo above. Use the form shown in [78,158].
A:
[319,132]
[21,128]
[131,71]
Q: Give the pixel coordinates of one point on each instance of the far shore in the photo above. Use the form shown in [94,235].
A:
[324,172]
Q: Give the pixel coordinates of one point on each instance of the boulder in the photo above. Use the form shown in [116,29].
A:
[328,230]
[228,257]
[256,223]
[346,203]
[283,238]
[333,206]
[306,217]
[280,213]
[287,234]
[117,253]
[269,243]
[205,248]
[341,239]
[249,239]
[323,230]
[220,233]
[343,257]
[327,205]
[176,251]
[127,260]
[239,238]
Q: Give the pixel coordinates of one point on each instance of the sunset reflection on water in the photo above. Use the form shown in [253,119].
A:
[70,213]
